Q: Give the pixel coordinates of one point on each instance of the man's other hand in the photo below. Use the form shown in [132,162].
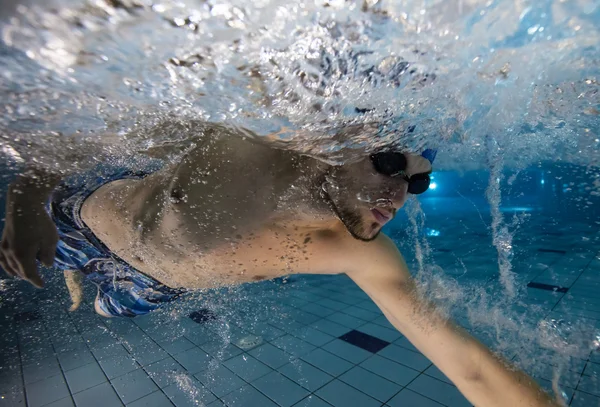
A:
[29,233]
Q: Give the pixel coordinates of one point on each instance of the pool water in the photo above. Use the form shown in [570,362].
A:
[319,340]
[506,242]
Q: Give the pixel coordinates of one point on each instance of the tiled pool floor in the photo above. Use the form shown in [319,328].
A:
[324,342]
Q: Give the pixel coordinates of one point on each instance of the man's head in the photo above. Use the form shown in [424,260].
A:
[366,194]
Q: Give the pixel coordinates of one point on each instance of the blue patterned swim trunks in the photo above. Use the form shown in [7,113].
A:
[123,290]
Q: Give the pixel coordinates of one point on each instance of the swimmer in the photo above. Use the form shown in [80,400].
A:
[232,211]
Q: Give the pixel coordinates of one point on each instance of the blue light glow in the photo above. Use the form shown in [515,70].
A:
[433,185]
[432,232]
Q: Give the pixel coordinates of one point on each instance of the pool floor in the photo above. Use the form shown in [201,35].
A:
[323,341]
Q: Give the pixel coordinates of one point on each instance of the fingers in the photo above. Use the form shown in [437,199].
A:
[28,270]
[47,253]
[5,266]
[12,263]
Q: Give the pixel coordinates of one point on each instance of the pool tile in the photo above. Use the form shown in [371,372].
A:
[369,305]
[370,384]
[266,331]
[147,352]
[286,324]
[165,372]
[75,358]
[247,396]
[280,389]
[12,395]
[84,377]
[305,295]
[439,391]
[199,334]
[156,399]
[590,384]
[327,362]
[345,320]
[193,360]
[318,310]
[547,386]
[408,398]
[42,369]
[66,402]
[188,392]
[247,367]
[312,401]
[68,343]
[405,343]
[305,374]
[271,356]
[361,313]
[347,351]
[177,345]
[133,386]
[220,350]
[592,369]
[436,373]
[390,370]
[102,395]
[339,394]
[335,305]
[116,366]
[46,391]
[303,317]
[109,351]
[292,345]
[293,301]
[405,357]
[330,327]
[313,336]
[581,399]
[220,381]
[383,321]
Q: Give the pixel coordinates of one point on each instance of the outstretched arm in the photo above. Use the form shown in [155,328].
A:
[483,378]
[29,232]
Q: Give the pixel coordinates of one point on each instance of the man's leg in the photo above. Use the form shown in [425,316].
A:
[74,279]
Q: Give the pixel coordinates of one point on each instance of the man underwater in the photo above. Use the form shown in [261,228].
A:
[233,210]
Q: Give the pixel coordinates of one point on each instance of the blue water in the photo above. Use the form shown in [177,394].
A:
[507,243]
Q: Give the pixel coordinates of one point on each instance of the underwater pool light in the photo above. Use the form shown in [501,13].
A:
[433,185]
[432,232]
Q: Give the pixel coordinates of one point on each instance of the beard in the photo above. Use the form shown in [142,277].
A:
[352,220]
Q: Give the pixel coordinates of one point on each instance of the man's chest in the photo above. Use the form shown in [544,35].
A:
[247,257]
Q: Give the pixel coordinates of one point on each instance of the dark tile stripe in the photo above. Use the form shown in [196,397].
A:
[548,287]
[364,341]
[552,251]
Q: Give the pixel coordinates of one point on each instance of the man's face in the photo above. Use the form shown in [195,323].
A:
[365,200]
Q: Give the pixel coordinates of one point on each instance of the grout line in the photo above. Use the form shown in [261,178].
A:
[21,364]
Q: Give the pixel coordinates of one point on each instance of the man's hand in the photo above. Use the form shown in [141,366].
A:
[29,232]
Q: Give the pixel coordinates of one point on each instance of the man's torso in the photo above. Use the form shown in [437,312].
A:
[231,211]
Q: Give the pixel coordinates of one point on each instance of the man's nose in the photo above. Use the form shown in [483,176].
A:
[399,195]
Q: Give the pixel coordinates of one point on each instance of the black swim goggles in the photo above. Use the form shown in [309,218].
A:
[393,164]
